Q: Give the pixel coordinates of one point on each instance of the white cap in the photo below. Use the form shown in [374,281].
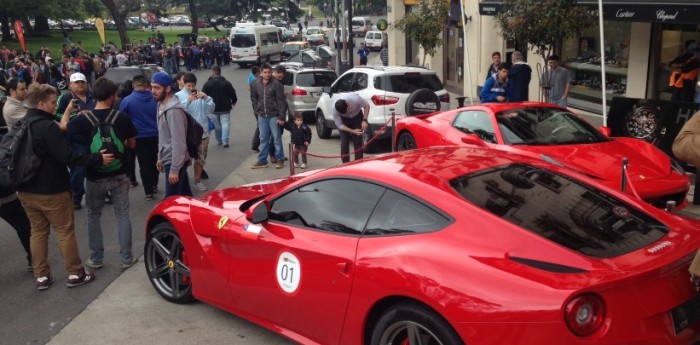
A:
[77,77]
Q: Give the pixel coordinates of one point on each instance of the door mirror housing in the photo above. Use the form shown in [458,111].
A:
[473,139]
[257,214]
[605,130]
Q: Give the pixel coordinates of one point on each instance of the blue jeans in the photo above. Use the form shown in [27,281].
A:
[119,187]
[268,125]
[560,102]
[182,187]
[166,65]
[77,176]
[221,123]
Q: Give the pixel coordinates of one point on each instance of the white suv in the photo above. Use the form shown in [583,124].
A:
[386,89]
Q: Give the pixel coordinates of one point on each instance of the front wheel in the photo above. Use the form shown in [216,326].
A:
[322,129]
[411,324]
[166,265]
[405,142]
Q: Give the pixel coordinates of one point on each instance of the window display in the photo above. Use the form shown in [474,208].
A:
[581,56]
[674,39]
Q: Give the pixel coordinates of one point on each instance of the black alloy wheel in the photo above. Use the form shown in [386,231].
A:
[166,265]
[406,142]
[410,323]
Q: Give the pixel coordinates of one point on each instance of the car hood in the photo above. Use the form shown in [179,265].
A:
[604,160]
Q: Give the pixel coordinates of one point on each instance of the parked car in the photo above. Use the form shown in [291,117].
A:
[557,135]
[387,90]
[290,48]
[448,245]
[327,55]
[315,40]
[305,58]
[374,40]
[121,74]
[303,87]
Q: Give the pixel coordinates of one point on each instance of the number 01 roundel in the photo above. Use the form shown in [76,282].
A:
[288,272]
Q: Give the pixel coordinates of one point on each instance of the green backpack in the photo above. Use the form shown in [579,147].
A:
[104,136]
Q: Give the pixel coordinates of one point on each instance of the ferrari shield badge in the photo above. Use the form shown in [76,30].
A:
[222,222]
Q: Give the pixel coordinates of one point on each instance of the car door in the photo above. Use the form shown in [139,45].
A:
[296,269]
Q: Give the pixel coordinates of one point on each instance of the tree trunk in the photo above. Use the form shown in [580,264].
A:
[5,23]
[119,21]
[41,24]
[193,15]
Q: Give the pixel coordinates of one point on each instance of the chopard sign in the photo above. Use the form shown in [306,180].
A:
[624,14]
[663,16]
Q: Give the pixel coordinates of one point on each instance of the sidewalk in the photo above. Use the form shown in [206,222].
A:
[129,311]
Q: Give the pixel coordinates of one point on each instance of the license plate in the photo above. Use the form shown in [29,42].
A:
[685,314]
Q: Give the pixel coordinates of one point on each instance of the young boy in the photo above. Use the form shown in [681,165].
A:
[301,138]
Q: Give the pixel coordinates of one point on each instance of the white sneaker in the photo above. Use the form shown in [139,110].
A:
[296,165]
[200,186]
[303,165]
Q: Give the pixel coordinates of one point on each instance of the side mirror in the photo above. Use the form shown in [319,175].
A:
[258,214]
[327,89]
[605,130]
[473,139]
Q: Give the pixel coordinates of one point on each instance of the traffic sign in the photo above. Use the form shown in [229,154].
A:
[382,24]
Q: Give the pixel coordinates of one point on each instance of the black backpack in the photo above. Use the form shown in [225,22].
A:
[193,136]
[104,136]
[18,162]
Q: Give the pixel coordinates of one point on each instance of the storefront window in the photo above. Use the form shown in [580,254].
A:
[581,56]
[673,39]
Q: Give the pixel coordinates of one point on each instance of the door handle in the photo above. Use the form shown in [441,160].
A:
[343,268]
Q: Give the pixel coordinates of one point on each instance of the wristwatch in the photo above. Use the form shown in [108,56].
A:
[644,122]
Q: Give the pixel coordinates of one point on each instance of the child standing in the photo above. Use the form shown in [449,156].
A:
[301,138]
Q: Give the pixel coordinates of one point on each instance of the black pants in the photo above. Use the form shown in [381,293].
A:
[354,122]
[130,163]
[147,154]
[13,213]
[255,144]
[297,153]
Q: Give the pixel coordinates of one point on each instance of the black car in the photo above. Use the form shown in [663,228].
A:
[123,73]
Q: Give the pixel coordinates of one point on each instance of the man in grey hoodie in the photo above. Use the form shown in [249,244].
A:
[173,158]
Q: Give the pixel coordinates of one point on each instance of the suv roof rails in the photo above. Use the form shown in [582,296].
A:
[415,66]
[375,67]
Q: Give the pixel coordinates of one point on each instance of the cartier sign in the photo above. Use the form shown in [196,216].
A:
[624,14]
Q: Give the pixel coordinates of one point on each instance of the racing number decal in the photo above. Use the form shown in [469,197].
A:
[288,272]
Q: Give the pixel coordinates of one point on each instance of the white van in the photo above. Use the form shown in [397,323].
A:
[360,25]
[374,39]
[255,43]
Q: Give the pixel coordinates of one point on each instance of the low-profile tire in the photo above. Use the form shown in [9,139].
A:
[406,142]
[166,264]
[322,129]
[408,319]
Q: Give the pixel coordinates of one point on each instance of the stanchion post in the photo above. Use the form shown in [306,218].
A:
[393,130]
[291,159]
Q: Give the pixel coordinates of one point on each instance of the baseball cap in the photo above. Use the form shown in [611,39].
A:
[162,78]
[77,77]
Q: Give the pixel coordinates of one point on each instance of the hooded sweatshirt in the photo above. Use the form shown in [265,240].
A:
[172,134]
[142,109]
[493,88]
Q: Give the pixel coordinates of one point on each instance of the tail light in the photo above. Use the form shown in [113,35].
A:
[445,98]
[585,314]
[384,100]
[299,92]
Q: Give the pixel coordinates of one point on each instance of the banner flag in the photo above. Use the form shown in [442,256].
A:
[20,34]
[100,26]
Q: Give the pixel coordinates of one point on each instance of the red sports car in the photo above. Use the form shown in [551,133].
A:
[558,136]
[449,245]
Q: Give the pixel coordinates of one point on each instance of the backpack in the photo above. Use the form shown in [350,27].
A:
[104,136]
[18,162]
[194,134]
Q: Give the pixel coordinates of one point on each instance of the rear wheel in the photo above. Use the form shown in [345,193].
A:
[406,142]
[322,129]
[166,265]
[410,323]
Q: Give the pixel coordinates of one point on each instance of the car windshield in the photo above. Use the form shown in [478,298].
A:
[560,209]
[315,37]
[408,82]
[316,79]
[120,75]
[545,126]
[291,48]
[243,40]
[313,31]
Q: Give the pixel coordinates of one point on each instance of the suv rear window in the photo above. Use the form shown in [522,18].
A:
[316,79]
[243,40]
[407,83]
[563,210]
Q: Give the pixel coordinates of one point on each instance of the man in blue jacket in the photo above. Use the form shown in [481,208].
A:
[495,89]
[143,111]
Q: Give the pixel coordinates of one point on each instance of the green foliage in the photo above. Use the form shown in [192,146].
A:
[426,25]
[543,23]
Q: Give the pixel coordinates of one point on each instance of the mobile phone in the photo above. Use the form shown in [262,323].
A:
[194,91]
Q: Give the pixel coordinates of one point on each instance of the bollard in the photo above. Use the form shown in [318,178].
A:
[624,175]
[670,206]
[393,130]
[291,159]
[460,101]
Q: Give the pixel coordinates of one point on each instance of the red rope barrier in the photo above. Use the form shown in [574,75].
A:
[351,153]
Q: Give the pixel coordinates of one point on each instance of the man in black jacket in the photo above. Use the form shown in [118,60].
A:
[47,196]
[224,95]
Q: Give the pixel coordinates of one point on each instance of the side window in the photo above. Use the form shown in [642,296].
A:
[288,79]
[340,205]
[263,39]
[477,122]
[399,214]
[344,84]
[272,38]
[360,82]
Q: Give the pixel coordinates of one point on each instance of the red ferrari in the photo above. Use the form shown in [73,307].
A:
[449,245]
[558,136]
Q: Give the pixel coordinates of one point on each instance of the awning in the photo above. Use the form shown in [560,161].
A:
[647,11]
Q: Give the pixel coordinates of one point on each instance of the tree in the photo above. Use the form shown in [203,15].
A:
[119,9]
[426,25]
[543,23]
